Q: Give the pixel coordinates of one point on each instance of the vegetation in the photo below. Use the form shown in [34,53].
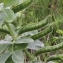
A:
[31,31]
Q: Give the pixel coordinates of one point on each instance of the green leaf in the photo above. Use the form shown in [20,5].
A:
[8,3]
[9,60]
[24,40]
[36,45]
[3,48]
[8,38]
[4,57]
[1,6]
[7,14]
[20,46]
[18,57]
[4,45]
[5,42]
[51,62]
[29,33]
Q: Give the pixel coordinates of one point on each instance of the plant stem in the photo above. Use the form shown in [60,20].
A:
[30,56]
[10,30]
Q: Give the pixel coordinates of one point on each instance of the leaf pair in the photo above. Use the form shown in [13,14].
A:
[15,57]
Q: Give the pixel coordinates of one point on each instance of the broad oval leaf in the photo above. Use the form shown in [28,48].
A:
[7,14]
[24,40]
[29,33]
[19,41]
[35,45]
[8,38]
[18,56]
[4,57]
[20,46]
[3,47]
[5,42]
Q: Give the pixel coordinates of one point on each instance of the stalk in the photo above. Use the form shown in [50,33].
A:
[30,56]
[10,30]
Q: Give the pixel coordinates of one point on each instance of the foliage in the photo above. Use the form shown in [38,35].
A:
[20,38]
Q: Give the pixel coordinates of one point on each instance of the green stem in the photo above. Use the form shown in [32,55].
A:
[13,46]
[55,57]
[49,49]
[30,56]
[10,30]
[21,6]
